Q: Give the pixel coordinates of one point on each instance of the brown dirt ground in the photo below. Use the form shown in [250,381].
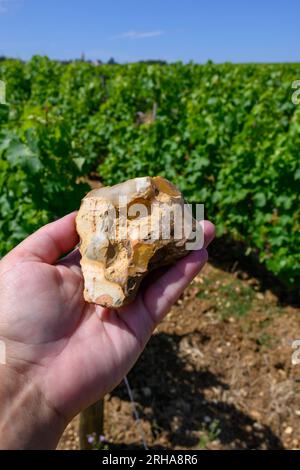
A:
[217,373]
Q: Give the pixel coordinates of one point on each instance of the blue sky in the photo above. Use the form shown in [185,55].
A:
[130,30]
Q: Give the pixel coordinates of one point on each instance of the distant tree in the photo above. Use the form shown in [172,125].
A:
[111,61]
[153,62]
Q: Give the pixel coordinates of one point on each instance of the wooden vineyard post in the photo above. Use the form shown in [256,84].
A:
[91,424]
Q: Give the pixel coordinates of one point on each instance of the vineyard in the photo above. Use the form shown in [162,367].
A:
[227,135]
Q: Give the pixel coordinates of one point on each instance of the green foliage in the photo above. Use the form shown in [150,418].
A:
[209,433]
[227,135]
[231,298]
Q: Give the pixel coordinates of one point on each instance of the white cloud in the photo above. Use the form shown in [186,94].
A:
[138,34]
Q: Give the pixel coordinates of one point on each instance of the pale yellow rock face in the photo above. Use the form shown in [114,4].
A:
[126,231]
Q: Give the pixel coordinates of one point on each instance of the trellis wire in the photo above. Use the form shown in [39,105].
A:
[136,414]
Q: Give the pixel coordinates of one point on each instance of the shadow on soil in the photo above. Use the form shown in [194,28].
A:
[170,396]
[231,256]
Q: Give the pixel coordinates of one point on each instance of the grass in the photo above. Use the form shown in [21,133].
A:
[230,298]
[266,340]
[209,434]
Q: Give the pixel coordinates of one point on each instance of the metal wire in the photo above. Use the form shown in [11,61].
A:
[136,414]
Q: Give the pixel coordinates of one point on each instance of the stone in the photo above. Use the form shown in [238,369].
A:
[126,231]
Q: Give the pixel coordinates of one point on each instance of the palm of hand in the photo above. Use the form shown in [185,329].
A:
[75,352]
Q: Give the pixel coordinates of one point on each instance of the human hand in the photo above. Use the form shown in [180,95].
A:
[64,354]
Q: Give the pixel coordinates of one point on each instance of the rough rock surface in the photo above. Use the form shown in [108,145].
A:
[118,229]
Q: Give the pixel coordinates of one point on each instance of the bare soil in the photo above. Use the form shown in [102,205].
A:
[217,373]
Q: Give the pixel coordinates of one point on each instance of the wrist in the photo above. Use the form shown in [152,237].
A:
[27,421]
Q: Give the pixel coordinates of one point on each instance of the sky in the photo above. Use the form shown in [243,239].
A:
[171,30]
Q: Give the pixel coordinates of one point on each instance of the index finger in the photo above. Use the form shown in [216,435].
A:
[161,295]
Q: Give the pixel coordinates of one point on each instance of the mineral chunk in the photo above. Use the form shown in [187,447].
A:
[126,231]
